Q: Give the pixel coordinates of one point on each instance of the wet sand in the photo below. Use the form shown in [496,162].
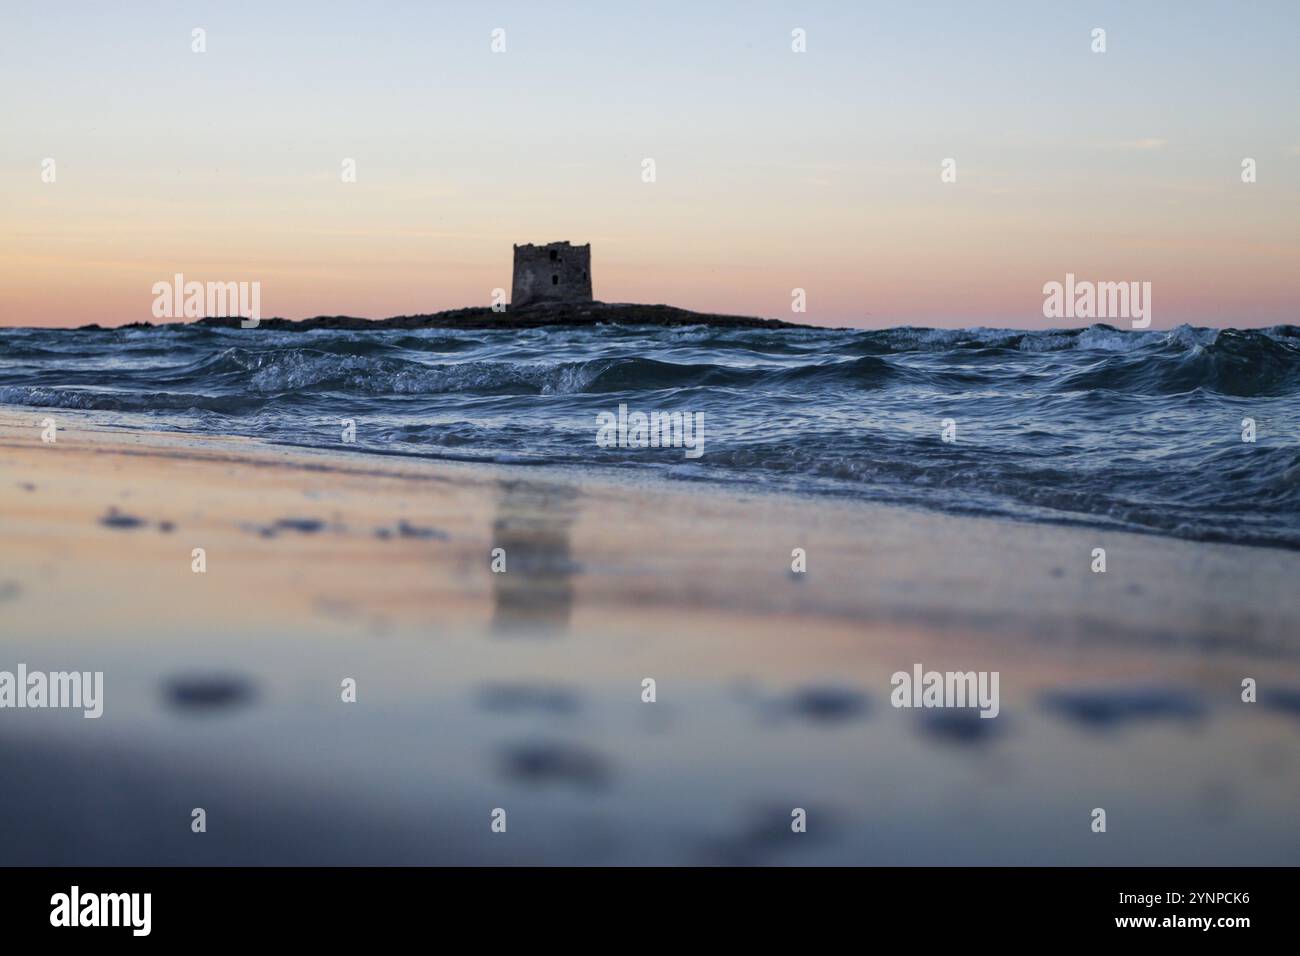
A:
[523,690]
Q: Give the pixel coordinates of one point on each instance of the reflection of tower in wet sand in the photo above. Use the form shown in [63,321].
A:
[534,594]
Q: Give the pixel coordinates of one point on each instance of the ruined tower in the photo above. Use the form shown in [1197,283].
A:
[555,272]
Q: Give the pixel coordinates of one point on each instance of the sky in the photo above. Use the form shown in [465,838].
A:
[774,170]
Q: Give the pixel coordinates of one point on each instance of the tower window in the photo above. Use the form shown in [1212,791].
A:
[554,255]
[555,280]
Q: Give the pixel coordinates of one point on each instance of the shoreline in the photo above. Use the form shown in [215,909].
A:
[539,315]
[905,524]
[724,484]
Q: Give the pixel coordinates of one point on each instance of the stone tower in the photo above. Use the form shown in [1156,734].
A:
[555,272]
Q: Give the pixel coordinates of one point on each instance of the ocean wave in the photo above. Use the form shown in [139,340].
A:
[36,396]
[1138,430]
[289,370]
[1240,363]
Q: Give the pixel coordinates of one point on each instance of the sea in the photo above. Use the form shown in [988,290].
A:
[1190,432]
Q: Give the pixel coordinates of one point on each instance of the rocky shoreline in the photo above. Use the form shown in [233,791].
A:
[484,317]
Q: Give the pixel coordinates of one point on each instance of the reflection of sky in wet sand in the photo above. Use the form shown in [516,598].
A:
[590,774]
[535,594]
[773,691]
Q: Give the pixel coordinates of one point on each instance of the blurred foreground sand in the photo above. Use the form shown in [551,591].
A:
[523,689]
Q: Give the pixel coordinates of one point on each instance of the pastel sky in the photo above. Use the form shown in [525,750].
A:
[775,169]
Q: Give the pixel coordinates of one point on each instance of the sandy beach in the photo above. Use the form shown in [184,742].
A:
[522,690]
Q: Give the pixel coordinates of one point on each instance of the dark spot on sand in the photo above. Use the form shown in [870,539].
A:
[554,762]
[1106,709]
[771,825]
[118,519]
[302,525]
[1058,572]
[383,533]
[408,530]
[826,704]
[26,486]
[524,698]
[769,830]
[336,608]
[1285,699]
[960,725]
[10,590]
[166,527]
[204,693]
